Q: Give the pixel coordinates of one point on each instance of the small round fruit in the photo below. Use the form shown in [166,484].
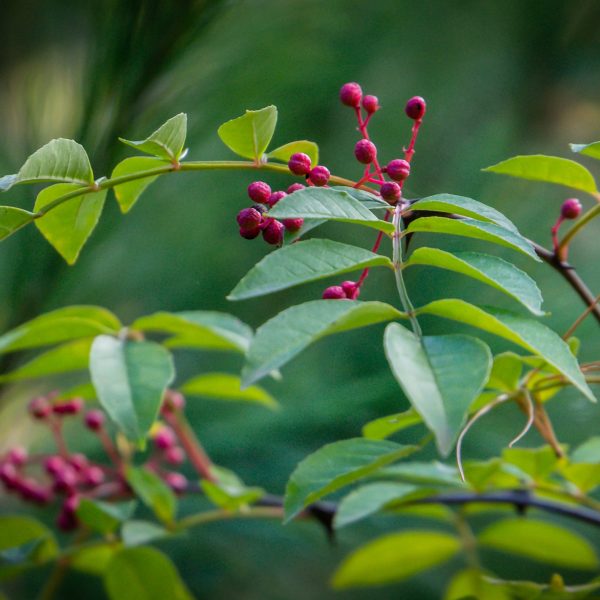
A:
[570,208]
[351,94]
[365,152]
[398,169]
[259,191]
[299,163]
[415,108]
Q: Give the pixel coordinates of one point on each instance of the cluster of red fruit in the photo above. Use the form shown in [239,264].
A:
[72,476]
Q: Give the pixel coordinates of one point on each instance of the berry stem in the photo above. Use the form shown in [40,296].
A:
[555,245]
[583,221]
[409,152]
[252,512]
[362,127]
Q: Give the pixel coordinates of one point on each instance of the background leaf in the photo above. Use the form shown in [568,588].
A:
[592,149]
[12,219]
[18,530]
[167,141]
[381,428]
[284,152]
[153,492]
[249,135]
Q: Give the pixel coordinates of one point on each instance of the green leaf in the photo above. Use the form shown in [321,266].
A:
[383,427]
[144,574]
[93,559]
[59,160]
[523,331]
[130,379]
[284,152]
[250,134]
[328,203]
[506,372]
[431,372]
[303,262]
[166,142]
[231,493]
[395,557]
[223,386]
[467,207]
[153,492]
[423,473]
[490,270]
[12,219]
[292,330]
[16,531]
[199,329]
[470,583]
[104,517]
[592,149]
[471,228]
[128,193]
[367,199]
[550,169]
[70,323]
[68,226]
[137,532]
[538,463]
[335,466]
[586,477]
[73,356]
[368,500]
[541,541]
[588,451]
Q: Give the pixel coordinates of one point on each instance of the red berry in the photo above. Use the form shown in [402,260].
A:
[53,464]
[65,480]
[292,224]
[175,455]
[165,438]
[173,401]
[334,292]
[570,209]
[250,234]
[370,104]
[248,219]
[67,519]
[9,476]
[350,94]
[415,108]
[40,408]
[273,233]
[176,481]
[365,151]
[17,456]
[93,476]
[275,197]
[32,491]
[299,163]
[69,407]
[259,191]
[78,461]
[391,192]
[398,169]
[351,289]
[319,175]
[94,420]
[295,187]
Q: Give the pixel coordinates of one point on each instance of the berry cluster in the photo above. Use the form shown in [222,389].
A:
[69,477]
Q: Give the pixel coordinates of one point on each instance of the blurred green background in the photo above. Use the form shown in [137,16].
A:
[501,77]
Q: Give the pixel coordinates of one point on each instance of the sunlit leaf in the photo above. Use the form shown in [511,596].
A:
[153,492]
[249,135]
[17,530]
[136,532]
[284,152]
[470,583]
[384,427]
[12,219]
[167,141]
[592,149]
[93,559]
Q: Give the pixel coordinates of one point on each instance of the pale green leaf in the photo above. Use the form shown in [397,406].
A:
[18,530]
[541,541]
[292,330]
[431,373]
[470,584]
[303,262]
[12,219]
[93,559]
[524,331]
[506,372]
[423,473]
[153,492]
[592,149]
[335,466]
[333,204]
[538,463]
[588,451]
[488,269]
[223,386]
[383,427]
[550,169]
[395,557]
[284,152]
[128,193]
[137,533]
[68,226]
[167,141]
[130,379]
[480,230]
[104,517]
[249,135]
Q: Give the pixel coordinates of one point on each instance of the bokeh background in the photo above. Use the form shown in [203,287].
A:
[501,77]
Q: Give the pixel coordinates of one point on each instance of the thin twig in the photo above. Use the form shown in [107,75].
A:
[567,334]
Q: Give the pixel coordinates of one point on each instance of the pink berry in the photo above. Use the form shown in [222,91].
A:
[175,455]
[292,224]
[350,94]
[9,476]
[68,407]
[93,476]
[248,219]
[40,408]
[273,232]
[250,234]
[398,169]
[259,191]
[391,192]
[275,197]
[334,292]
[299,163]
[571,208]
[94,420]
[295,187]
[17,456]
[177,482]
[415,108]
[32,491]
[173,401]
[78,461]
[365,151]
[165,438]
[65,480]
[67,518]
[54,464]
[319,176]
[370,104]
[351,289]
